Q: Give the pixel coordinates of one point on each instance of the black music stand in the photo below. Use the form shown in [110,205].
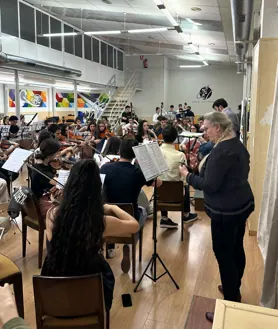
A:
[156,160]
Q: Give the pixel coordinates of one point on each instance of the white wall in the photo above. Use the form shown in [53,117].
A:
[185,84]
[91,71]
[164,81]
[153,84]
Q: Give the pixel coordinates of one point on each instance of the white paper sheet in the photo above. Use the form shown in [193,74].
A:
[102,178]
[190,134]
[159,159]
[63,176]
[16,160]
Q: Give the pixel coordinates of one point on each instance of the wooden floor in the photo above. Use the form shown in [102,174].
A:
[155,305]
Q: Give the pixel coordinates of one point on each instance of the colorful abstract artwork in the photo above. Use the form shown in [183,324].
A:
[84,100]
[29,98]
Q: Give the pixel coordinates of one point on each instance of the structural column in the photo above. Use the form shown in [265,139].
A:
[75,99]
[17,98]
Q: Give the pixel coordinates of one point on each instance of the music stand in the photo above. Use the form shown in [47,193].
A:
[152,163]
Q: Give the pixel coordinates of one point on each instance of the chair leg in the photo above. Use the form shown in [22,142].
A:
[18,292]
[41,239]
[107,320]
[140,244]
[133,261]
[24,238]
[182,226]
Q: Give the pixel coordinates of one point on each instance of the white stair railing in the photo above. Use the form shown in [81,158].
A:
[104,98]
[124,98]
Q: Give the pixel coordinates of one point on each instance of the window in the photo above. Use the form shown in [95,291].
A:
[95,50]
[78,45]
[104,53]
[120,61]
[69,40]
[9,17]
[27,22]
[88,47]
[115,58]
[42,27]
[56,27]
[110,56]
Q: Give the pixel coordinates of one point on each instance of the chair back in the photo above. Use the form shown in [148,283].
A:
[66,297]
[170,192]
[31,210]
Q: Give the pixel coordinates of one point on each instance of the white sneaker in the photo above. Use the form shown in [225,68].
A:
[111,253]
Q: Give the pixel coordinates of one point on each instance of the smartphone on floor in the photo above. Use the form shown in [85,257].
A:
[126,300]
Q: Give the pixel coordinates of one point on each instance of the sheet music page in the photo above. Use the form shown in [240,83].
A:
[16,160]
[190,134]
[155,152]
[146,162]
[63,176]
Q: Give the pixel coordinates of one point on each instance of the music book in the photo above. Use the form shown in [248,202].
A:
[16,160]
[151,160]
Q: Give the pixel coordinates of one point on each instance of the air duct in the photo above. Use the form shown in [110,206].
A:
[242,12]
[29,65]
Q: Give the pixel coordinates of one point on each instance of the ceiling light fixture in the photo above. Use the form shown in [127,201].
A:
[58,34]
[160,4]
[205,63]
[190,66]
[159,29]
[102,32]
[189,20]
[196,9]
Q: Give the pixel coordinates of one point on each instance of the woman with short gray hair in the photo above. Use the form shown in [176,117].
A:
[228,200]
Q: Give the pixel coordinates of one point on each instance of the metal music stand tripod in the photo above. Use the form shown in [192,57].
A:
[155,255]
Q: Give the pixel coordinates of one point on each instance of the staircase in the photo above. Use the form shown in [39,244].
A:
[122,97]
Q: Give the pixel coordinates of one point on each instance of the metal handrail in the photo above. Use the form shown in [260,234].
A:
[130,89]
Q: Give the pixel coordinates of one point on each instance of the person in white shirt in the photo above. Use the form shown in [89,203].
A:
[173,159]
[156,115]
[132,126]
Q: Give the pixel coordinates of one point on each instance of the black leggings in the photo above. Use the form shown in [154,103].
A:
[227,240]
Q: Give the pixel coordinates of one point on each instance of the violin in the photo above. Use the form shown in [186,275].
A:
[60,163]
[5,144]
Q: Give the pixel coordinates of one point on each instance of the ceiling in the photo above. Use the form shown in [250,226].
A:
[214,37]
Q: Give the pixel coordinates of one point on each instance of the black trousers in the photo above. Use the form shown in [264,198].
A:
[186,202]
[227,240]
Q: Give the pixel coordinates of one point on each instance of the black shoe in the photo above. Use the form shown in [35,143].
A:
[190,218]
[210,316]
[125,264]
[220,288]
[168,223]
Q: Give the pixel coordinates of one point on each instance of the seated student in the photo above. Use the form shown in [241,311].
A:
[126,114]
[188,112]
[173,159]
[163,123]
[123,183]
[13,120]
[40,185]
[77,227]
[144,134]
[55,130]
[110,153]
[48,122]
[201,123]
[130,128]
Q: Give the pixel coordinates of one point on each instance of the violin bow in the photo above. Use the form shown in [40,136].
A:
[28,124]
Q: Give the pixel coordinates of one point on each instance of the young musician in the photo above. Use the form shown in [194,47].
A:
[77,227]
[13,120]
[40,185]
[144,133]
[173,159]
[123,183]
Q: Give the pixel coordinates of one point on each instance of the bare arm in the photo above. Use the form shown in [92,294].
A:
[121,224]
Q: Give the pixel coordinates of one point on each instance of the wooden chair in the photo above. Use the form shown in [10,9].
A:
[70,302]
[31,217]
[170,198]
[11,274]
[128,207]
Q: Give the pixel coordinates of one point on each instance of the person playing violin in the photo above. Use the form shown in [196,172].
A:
[40,185]
[144,133]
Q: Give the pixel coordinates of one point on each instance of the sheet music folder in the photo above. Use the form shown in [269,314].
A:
[151,160]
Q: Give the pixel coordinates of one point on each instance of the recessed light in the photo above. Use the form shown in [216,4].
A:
[211,44]
[196,9]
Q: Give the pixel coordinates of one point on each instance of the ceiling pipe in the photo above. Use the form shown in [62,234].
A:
[242,13]
[21,63]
